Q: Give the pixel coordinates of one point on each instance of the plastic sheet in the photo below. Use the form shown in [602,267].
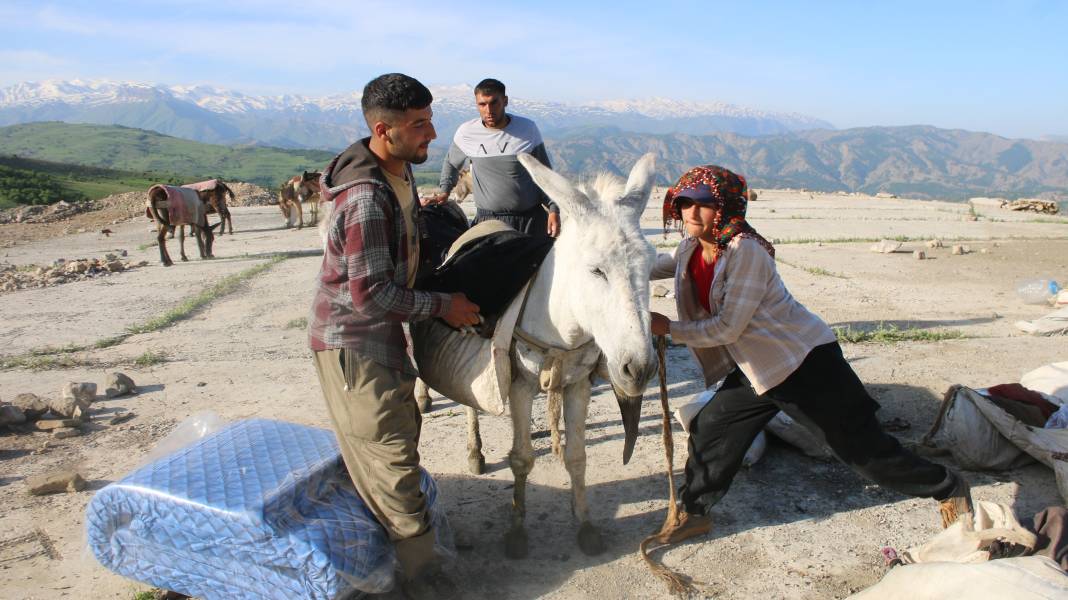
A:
[258,509]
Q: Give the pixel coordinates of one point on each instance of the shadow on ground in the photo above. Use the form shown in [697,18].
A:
[784,487]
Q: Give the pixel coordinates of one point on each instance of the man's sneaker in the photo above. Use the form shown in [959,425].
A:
[433,584]
[688,526]
[957,505]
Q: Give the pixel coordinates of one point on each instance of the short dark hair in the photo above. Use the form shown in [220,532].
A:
[392,93]
[490,87]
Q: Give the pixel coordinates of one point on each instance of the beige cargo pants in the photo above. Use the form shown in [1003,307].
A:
[377,425]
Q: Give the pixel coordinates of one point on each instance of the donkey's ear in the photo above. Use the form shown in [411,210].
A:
[639,185]
[558,189]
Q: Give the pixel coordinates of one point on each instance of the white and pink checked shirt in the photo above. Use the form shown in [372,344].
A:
[755,323]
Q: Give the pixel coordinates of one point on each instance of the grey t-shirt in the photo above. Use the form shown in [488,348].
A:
[501,184]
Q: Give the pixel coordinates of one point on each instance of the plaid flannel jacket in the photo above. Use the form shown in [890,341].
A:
[362,297]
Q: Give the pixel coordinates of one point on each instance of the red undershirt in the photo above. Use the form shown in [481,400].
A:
[702,273]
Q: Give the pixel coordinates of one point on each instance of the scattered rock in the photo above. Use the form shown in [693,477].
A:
[1033,205]
[935,243]
[11,415]
[919,254]
[119,385]
[32,405]
[61,271]
[74,396]
[67,480]
[659,291]
[66,432]
[958,249]
[50,424]
[886,246]
[202,383]
[984,251]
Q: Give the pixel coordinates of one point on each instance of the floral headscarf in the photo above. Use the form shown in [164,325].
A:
[720,189]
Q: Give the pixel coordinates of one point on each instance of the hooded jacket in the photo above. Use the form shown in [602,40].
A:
[362,297]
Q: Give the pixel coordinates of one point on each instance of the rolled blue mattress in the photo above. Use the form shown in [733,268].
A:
[260,509]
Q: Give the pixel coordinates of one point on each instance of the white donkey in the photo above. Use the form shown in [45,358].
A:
[587,312]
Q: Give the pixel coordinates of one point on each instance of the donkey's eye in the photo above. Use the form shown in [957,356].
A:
[599,273]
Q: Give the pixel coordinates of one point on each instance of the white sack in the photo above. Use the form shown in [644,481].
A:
[1025,578]
[974,441]
[1051,379]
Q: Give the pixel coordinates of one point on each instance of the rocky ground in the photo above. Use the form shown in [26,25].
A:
[791,527]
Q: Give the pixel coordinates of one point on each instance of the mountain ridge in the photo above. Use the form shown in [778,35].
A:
[919,161]
[216,115]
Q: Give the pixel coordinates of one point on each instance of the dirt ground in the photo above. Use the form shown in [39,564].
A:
[791,527]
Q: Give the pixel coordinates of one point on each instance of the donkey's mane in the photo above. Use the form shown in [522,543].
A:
[602,186]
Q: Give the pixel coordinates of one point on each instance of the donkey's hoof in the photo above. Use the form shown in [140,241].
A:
[589,540]
[476,464]
[185,259]
[515,543]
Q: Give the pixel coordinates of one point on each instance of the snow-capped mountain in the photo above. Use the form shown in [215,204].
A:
[210,114]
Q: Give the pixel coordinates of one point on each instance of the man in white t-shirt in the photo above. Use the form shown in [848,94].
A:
[503,189]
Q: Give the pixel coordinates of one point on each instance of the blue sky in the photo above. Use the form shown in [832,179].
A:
[1000,67]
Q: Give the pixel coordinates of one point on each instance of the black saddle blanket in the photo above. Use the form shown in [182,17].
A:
[489,270]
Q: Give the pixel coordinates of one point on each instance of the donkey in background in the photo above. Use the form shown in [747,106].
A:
[294,193]
[214,199]
[213,194]
[172,207]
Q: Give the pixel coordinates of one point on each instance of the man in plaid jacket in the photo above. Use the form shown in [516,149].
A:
[364,295]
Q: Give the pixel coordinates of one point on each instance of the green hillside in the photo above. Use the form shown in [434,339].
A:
[139,151]
[52,181]
[22,186]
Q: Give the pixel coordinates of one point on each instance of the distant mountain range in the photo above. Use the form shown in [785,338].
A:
[916,161]
[773,149]
[212,115]
[919,162]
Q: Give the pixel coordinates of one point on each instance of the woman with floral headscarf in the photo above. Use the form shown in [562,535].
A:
[744,328]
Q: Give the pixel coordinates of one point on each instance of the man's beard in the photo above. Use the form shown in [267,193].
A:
[416,156]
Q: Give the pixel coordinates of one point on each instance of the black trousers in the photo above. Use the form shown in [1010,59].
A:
[824,396]
[534,221]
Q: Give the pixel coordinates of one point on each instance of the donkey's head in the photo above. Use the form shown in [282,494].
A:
[602,264]
[309,180]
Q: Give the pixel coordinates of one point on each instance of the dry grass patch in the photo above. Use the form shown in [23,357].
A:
[890,334]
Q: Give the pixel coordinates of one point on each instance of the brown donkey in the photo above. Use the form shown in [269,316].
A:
[297,190]
[170,206]
[213,194]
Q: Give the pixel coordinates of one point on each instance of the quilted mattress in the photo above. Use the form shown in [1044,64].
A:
[260,509]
